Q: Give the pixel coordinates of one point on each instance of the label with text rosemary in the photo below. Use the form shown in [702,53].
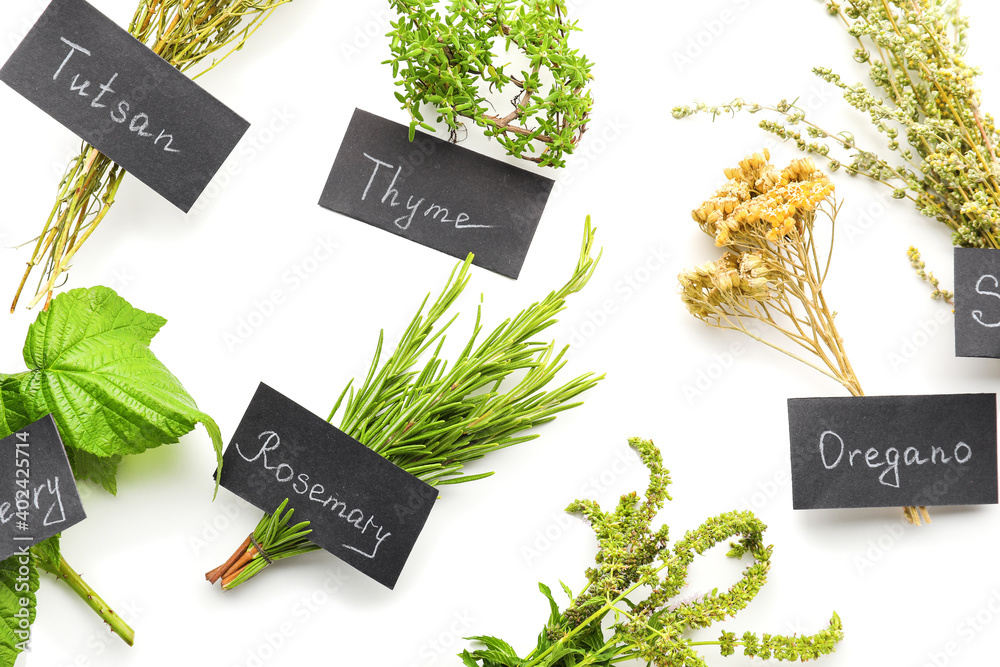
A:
[435,193]
[893,451]
[92,76]
[38,495]
[361,507]
[977,302]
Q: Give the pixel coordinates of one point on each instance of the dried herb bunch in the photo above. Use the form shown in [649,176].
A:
[923,97]
[182,32]
[773,270]
[432,421]
[449,60]
[630,608]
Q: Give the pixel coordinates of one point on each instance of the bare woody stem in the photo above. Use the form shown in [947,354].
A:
[90,596]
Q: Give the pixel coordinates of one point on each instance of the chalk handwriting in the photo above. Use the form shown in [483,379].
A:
[393,198]
[832,447]
[269,442]
[978,314]
[119,113]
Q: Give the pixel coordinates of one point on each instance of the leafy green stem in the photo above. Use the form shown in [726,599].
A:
[72,578]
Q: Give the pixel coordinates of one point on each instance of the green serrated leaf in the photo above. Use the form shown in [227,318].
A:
[48,552]
[13,414]
[91,367]
[547,592]
[102,471]
[18,583]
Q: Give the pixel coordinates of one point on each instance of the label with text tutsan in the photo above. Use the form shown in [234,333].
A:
[38,494]
[436,194]
[92,76]
[893,451]
[361,508]
[977,302]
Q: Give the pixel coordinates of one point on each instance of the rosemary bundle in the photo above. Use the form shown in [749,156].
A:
[449,61]
[432,421]
[630,608]
[182,32]
[772,271]
[923,97]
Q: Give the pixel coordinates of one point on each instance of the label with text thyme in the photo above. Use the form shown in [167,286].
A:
[38,495]
[92,76]
[435,193]
[361,507]
[893,451]
[977,302]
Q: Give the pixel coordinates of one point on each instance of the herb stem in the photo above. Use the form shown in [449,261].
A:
[73,579]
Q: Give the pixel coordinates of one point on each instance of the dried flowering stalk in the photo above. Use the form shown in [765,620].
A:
[772,272]
[182,32]
[631,610]
[923,98]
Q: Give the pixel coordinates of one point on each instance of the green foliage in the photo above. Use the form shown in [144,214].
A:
[451,60]
[432,419]
[18,583]
[91,367]
[613,621]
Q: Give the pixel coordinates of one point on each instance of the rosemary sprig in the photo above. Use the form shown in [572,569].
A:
[432,421]
[773,270]
[182,32]
[631,609]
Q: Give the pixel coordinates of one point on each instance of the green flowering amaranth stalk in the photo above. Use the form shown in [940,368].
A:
[432,421]
[450,60]
[630,609]
[923,97]
[182,32]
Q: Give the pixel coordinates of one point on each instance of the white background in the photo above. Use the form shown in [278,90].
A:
[905,594]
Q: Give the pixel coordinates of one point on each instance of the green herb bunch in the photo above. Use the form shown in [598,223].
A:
[923,97]
[92,369]
[431,421]
[182,32]
[631,609]
[450,60]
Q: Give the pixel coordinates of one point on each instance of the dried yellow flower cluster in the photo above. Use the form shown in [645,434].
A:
[732,278]
[761,207]
[757,192]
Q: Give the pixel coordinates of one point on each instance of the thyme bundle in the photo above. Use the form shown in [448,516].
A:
[923,98]
[632,593]
[432,421]
[772,271]
[182,32]
[447,60]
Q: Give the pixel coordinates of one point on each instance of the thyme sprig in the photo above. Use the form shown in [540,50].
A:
[630,607]
[923,98]
[431,421]
[182,32]
[449,60]
[773,270]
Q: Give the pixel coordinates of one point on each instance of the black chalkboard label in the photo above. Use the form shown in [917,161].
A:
[362,508]
[107,87]
[38,496]
[977,302]
[893,451]
[436,193]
